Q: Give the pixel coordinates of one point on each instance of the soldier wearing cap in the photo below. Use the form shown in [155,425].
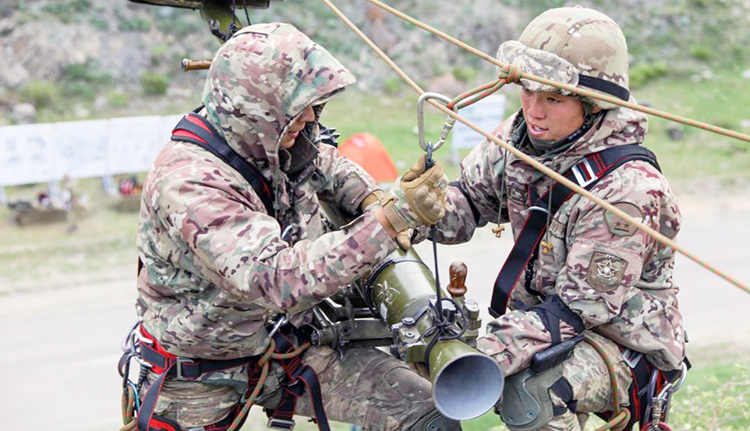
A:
[219,266]
[589,274]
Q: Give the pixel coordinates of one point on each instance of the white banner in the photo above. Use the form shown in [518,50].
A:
[26,154]
[39,153]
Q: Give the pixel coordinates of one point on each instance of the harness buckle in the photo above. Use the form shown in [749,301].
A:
[281,424]
[178,365]
[631,357]
[585,177]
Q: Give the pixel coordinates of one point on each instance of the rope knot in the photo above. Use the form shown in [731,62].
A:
[511,74]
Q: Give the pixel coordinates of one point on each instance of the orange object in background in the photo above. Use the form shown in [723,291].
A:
[366,150]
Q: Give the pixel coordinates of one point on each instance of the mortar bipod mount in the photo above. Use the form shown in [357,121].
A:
[449,122]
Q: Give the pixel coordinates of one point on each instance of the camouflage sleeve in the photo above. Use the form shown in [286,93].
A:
[347,184]
[241,251]
[474,198]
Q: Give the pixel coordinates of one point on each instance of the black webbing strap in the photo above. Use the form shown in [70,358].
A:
[563,390]
[586,173]
[552,311]
[301,377]
[209,139]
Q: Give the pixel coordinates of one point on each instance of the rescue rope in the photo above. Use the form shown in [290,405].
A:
[512,74]
[130,421]
[621,415]
[518,75]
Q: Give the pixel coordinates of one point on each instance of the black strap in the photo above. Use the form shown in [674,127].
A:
[604,86]
[552,311]
[586,173]
[300,377]
[563,390]
[214,143]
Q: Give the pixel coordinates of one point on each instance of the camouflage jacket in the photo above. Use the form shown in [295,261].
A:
[215,266]
[616,278]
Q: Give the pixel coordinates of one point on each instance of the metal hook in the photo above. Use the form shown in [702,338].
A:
[420,120]
[282,320]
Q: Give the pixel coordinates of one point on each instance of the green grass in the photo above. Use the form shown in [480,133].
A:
[723,101]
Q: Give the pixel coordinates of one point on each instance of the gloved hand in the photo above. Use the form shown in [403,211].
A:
[418,197]
[403,239]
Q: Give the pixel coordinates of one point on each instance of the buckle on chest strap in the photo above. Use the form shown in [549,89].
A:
[584,173]
[281,424]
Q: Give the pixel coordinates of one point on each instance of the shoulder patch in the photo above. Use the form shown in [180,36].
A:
[616,225]
[606,271]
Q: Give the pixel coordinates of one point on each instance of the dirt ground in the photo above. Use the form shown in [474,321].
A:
[61,337]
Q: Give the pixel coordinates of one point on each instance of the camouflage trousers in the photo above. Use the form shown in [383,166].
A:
[589,378]
[364,387]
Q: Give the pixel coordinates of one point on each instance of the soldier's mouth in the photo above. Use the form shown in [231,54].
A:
[536,130]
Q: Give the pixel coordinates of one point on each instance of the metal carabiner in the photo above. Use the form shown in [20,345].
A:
[279,323]
[449,122]
[128,343]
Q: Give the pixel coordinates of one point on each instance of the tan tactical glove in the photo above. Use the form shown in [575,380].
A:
[418,197]
[403,239]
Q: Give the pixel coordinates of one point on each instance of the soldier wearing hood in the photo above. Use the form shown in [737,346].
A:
[218,266]
[594,274]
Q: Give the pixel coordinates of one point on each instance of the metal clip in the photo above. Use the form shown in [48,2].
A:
[128,343]
[281,424]
[279,323]
[449,122]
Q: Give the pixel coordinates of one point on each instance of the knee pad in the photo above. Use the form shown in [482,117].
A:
[435,421]
[526,404]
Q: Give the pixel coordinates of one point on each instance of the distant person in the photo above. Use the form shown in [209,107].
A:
[230,246]
[576,269]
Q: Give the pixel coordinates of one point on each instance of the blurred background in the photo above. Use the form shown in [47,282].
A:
[67,248]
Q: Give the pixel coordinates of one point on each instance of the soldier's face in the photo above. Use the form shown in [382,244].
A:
[288,140]
[551,117]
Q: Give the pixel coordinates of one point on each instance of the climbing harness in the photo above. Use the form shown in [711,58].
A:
[138,408]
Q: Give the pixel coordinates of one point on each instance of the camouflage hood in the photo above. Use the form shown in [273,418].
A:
[263,78]
[621,126]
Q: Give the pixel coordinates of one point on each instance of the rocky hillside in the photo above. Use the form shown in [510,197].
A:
[85,58]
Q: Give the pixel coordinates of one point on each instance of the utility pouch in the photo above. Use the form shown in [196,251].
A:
[555,355]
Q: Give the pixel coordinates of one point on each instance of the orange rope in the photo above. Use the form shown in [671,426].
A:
[580,91]
[535,164]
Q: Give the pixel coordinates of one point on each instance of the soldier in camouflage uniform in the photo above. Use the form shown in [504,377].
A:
[608,277]
[217,269]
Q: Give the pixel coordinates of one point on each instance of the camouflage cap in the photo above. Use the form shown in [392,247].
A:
[576,46]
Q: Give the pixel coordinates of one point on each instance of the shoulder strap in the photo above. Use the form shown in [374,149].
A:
[197,130]
[586,173]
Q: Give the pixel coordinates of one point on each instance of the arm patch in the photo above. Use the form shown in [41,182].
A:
[606,271]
